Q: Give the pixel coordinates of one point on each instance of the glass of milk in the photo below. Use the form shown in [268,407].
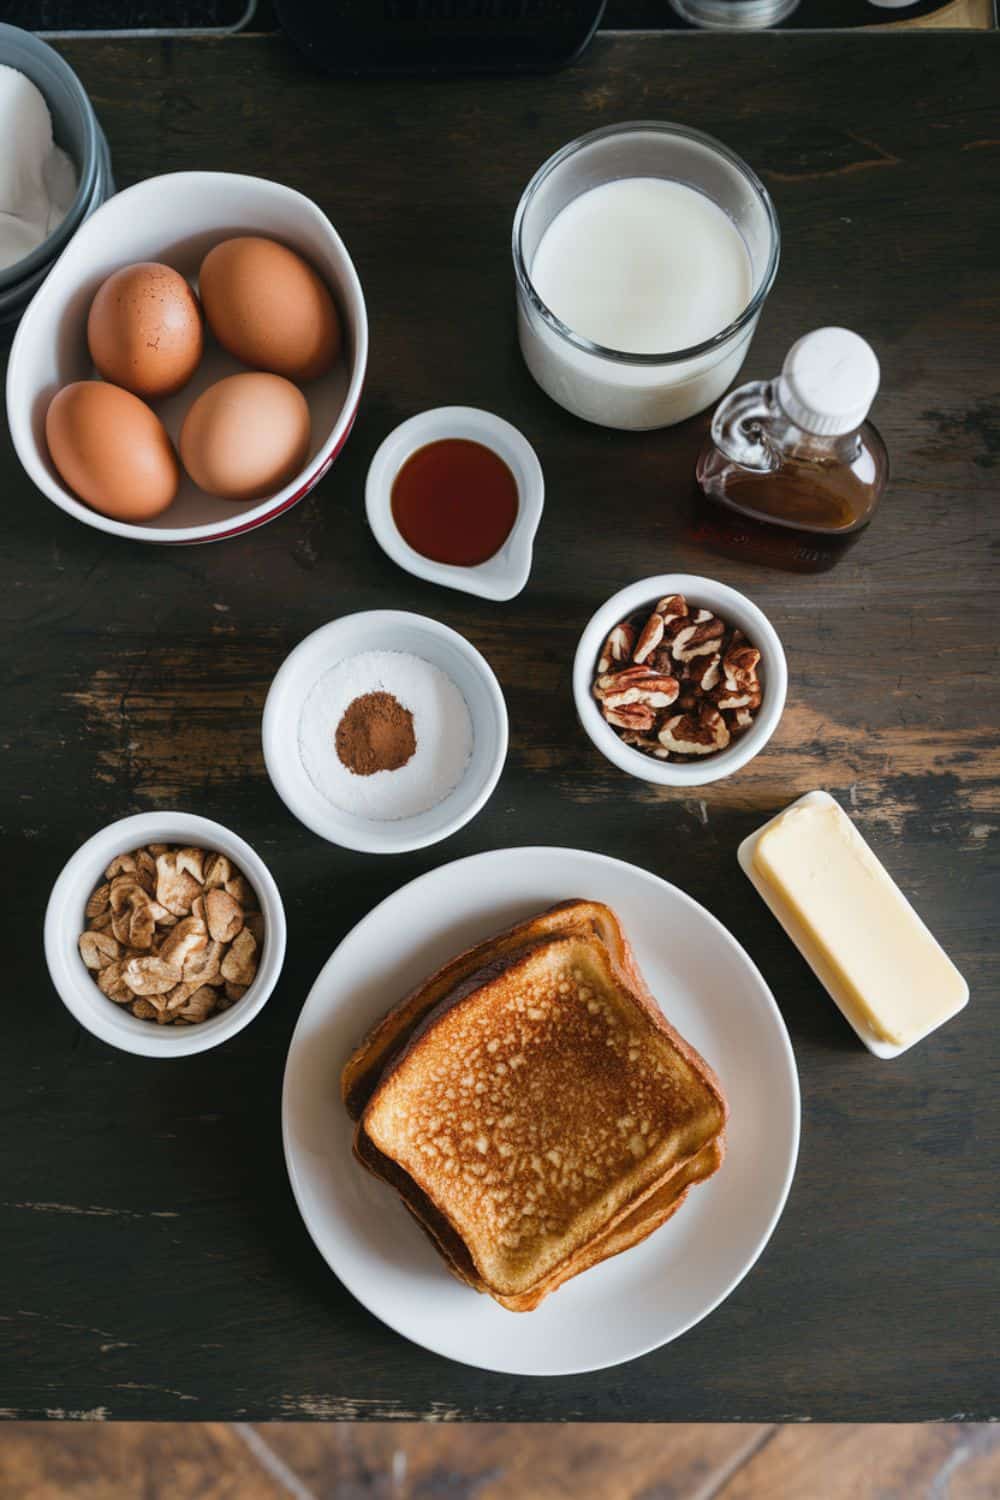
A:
[643,254]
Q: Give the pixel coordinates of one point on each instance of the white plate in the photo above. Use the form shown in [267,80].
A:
[635,1302]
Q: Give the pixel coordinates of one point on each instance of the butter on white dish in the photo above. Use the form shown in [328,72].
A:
[852,924]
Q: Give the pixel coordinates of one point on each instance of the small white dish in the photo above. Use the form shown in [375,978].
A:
[384,630]
[729,605]
[178,218]
[64,922]
[710,990]
[504,574]
[824,972]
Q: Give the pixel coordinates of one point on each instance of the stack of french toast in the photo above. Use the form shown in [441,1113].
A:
[533,1107]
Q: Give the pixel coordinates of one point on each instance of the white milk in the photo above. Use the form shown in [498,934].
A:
[644,266]
[640,265]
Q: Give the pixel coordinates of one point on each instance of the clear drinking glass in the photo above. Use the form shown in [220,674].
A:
[734,15]
[640,391]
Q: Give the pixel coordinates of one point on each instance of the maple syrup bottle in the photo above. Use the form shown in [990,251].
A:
[792,471]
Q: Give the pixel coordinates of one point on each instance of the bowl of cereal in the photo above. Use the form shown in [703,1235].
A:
[165,934]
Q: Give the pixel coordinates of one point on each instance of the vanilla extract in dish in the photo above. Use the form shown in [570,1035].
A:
[455,501]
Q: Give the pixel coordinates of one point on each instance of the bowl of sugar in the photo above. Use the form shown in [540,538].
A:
[643,254]
[384,731]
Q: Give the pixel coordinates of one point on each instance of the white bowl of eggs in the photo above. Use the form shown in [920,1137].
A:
[193,364]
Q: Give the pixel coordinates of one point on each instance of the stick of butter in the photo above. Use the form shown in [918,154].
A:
[853,925]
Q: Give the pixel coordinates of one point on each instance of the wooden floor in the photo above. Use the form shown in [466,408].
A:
[409,1461]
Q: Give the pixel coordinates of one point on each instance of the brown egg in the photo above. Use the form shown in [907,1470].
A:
[111,450]
[144,330]
[246,436]
[269,308]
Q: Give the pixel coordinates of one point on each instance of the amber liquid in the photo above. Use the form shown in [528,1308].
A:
[455,501]
[803,517]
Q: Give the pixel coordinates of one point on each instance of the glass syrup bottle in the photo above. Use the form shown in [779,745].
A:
[792,471]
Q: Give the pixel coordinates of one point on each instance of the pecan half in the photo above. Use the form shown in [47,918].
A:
[618,646]
[742,698]
[698,639]
[739,665]
[704,670]
[637,685]
[664,615]
[649,639]
[695,734]
[634,716]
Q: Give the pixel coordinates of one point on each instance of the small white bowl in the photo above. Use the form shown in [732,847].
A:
[504,574]
[64,922]
[384,630]
[735,609]
[177,219]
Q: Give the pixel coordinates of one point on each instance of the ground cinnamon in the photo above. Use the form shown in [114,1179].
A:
[375,734]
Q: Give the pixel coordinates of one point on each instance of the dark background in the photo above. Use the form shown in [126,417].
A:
[153,1261]
[101,15]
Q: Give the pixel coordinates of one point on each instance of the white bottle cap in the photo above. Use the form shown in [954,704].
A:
[829,381]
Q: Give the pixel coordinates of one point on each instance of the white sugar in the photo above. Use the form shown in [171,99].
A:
[442,727]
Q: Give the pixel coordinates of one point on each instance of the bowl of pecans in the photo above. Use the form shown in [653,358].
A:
[165,934]
[679,680]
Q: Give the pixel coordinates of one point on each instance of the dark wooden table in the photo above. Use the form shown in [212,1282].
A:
[153,1263]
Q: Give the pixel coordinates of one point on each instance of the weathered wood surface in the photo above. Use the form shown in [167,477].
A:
[153,1262]
[407,1461]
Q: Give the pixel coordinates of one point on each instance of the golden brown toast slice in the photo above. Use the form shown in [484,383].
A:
[637,1226]
[531,1105]
[365,1066]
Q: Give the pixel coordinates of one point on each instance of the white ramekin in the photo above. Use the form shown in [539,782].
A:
[384,630]
[505,574]
[177,219]
[612,387]
[64,922]
[735,609]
